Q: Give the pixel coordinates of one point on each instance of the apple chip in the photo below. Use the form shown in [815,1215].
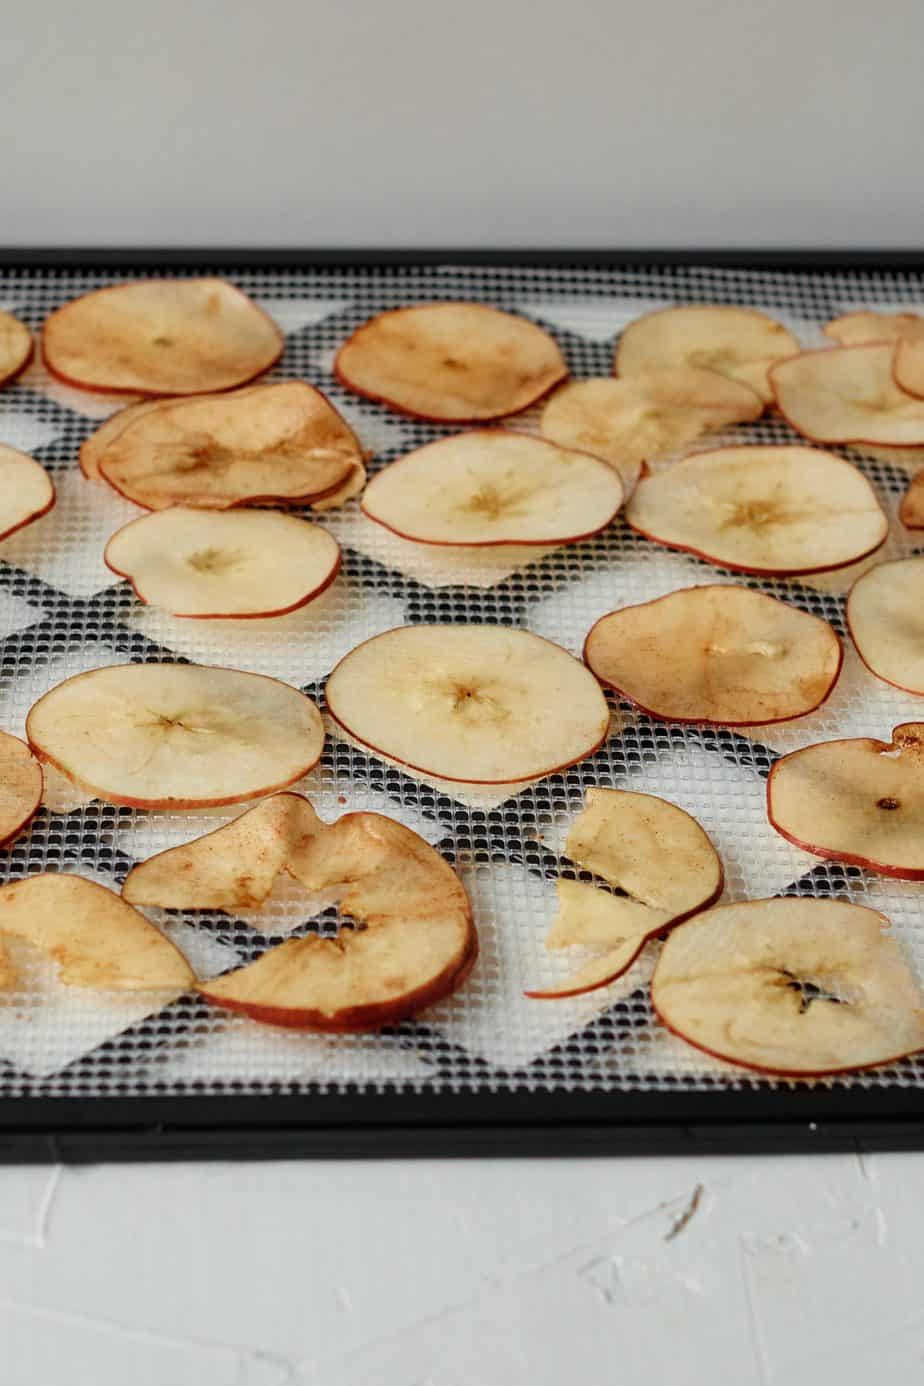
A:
[908,364]
[792,986]
[490,487]
[905,330]
[92,448]
[214,563]
[16,348]
[451,362]
[778,510]
[911,512]
[740,343]
[161,337]
[859,801]
[719,655]
[885,617]
[280,442]
[21,786]
[176,735]
[26,491]
[848,395]
[96,939]
[483,704]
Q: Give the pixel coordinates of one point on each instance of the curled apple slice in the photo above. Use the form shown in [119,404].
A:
[92,448]
[720,655]
[908,365]
[911,511]
[280,442]
[848,395]
[21,786]
[483,704]
[161,337]
[96,939]
[491,487]
[16,348]
[858,800]
[26,491]
[176,735]
[865,327]
[740,343]
[792,986]
[214,563]
[885,617]
[783,510]
[451,362]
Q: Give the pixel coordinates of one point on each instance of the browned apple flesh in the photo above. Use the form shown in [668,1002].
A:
[858,800]
[176,735]
[161,337]
[848,395]
[92,448]
[280,442]
[26,491]
[911,512]
[774,510]
[15,347]
[866,326]
[740,343]
[21,786]
[490,487]
[718,654]
[792,986]
[885,616]
[451,362]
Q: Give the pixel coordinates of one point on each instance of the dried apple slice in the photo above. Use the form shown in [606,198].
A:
[21,786]
[740,343]
[792,986]
[491,487]
[26,491]
[96,939]
[908,365]
[16,348]
[885,617]
[858,800]
[911,511]
[848,395]
[451,362]
[176,735]
[224,563]
[483,704]
[280,442]
[719,655]
[866,326]
[778,510]
[161,337]
[92,448]
[353,486]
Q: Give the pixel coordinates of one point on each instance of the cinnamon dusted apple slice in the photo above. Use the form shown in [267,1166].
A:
[491,487]
[280,442]
[26,491]
[451,362]
[721,655]
[911,512]
[848,395]
[16,348]
[176,735]
[858,800]
[96,939]
[780,510]
[885,617]
[483,704]
[740,343]
[642,417]
[792,986]
[21,786]
[215,563]
[161,337]
[415,942]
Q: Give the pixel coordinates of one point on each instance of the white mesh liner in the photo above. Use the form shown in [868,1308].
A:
[62,611]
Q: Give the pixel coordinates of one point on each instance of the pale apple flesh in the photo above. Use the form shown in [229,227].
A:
[161,337]
[176,735]
[26,491]
[908,366]
[92,448]
[451,362]
[224,563]
[848,395]
[21,786]
[885,617]
[792,986]
[490,487]
[864,327]
[773,510]
[483,704]
[721,655]
[858,800]
[16,348]
[911,512]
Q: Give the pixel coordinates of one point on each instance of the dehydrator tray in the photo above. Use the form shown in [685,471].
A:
[85,1077]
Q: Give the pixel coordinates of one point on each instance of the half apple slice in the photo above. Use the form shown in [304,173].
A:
[911,511]
[21,786]
[848,395]
[26,491]
[885,617]
[16,348]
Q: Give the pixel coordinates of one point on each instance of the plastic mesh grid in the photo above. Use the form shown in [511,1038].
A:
[61,612]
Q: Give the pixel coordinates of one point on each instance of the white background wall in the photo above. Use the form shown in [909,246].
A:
[505,122]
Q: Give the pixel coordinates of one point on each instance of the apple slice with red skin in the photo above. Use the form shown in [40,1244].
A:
[906,330]
[16,348]
[911,511]
[718,655]
[858,800]
[451,362]
[490,487]
[176,735]
[848,395]
[211,564]
[774,510]
[161,337]
[740,343]
[885,617]
[21,787]
[26,491]
[794,986]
